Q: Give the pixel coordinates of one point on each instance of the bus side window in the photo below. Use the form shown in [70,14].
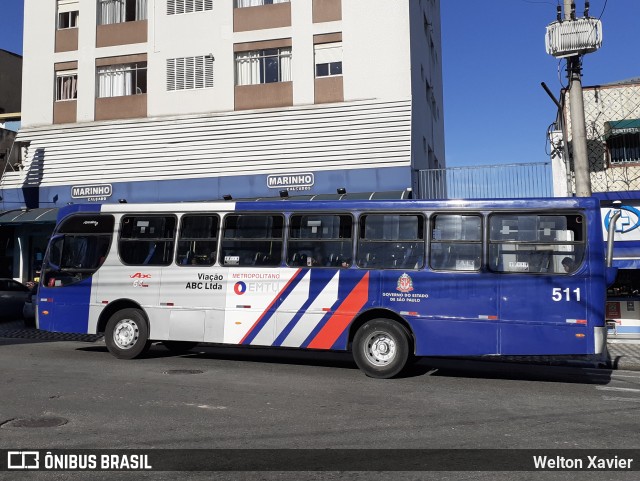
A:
[147,239]
[536,244]
[252,240]
[456,242]
[320,240]
[391,241]
[197,240]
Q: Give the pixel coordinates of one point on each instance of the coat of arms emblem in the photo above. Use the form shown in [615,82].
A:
[405,284]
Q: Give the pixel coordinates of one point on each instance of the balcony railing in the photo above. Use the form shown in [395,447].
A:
[487,181]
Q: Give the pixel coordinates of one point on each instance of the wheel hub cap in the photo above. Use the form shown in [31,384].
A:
[381,349]
[126,334]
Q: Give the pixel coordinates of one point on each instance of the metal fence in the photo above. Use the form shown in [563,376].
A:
[487,181]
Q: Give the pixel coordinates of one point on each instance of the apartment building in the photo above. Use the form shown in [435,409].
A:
[170,100]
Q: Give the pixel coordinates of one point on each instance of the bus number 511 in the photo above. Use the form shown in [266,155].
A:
[560,294]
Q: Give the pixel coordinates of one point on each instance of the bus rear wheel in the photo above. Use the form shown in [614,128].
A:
[127,334]
[381,348]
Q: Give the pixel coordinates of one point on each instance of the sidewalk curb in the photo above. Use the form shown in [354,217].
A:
[623,356]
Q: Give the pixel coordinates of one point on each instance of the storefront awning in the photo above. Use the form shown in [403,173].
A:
[626,263]
[621,127]
[29,216]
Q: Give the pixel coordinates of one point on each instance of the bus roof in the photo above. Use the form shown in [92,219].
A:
[289,205]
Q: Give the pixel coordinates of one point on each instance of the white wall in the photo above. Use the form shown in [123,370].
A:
[37,68]
[376,49]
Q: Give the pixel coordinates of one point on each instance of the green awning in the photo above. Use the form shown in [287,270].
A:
[621,127]
[30,216]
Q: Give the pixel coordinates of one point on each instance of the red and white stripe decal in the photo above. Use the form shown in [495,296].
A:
[337,323]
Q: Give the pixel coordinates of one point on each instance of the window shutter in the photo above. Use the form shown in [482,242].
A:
[177,7]
[68,6]
[188,73]
[328,53]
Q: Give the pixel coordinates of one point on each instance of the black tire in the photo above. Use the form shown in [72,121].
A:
[381,348]
[179,347]
[127,334]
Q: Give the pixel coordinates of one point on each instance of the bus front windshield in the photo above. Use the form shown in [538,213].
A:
[78,250]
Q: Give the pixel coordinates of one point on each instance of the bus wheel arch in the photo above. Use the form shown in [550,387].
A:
[114,307]
[382,343]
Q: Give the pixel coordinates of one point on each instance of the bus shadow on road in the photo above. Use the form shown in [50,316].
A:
[342,360]
[520,371]
[436,367]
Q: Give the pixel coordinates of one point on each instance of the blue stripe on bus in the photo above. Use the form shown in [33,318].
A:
[271,310]
[316,286]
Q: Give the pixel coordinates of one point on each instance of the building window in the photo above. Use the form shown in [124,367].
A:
[256,3]
[68,14]
[624,148]
[328,59]
[66,85]
[118,11]
[177,7]
[263,66]
[120,80]
[189,73]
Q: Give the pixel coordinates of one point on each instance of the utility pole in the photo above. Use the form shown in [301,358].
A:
[571,38]
[578,126]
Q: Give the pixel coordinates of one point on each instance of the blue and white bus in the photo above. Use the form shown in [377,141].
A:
[387,280]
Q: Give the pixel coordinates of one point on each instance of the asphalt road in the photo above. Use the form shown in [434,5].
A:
[220,397]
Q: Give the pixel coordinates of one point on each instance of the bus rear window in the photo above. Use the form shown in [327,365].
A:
[536,243]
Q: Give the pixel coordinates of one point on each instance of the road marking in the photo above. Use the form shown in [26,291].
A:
[627,399]
[623,389]
[637,376]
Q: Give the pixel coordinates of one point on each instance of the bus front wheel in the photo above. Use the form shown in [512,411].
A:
[127,334]
[381,348]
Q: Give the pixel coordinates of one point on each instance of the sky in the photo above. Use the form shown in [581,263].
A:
[493,58]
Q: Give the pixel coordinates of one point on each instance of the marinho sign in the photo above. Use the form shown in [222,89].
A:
[291,181]
[95,192]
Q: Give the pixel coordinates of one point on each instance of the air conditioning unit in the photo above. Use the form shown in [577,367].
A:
[573,37]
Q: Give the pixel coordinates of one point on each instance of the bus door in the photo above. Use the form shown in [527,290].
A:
[543,282]
[455,301]
[192,288]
